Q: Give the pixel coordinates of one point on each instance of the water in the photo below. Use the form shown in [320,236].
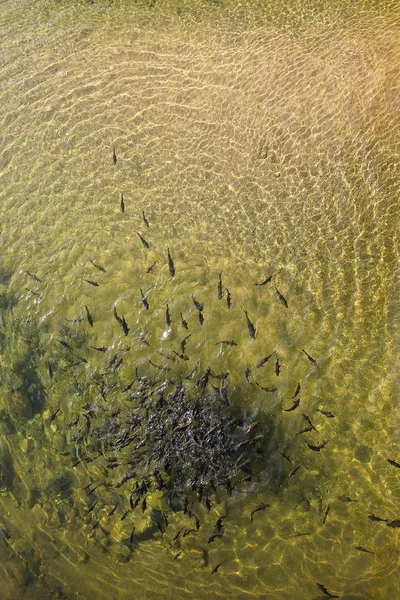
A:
[258,142]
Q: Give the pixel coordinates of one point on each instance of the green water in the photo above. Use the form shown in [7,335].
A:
[258,140]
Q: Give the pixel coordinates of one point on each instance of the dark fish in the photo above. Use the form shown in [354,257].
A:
[323,589]
[310,358]
[363,549]
[122,203]
[51,372]
[96,524]
[4,533]
[181,356]
[262,506]
[300,534]
[34,277]
[375,518]
[296,392]
[227,342]
[112,511]
[143,339]
[126,513]
[252,331]
[286,457]
[264,360]
[196,520]
[215,569]
[207,504]
[219,525]
[176,536]
[80,358]
[34,293]
[92,506]
[183,322]
[220,292]
[213,537]
[100,349]
[151,267]
[277,366]
[144,300]
[197,304]
[89,316]
[77,320]
[267,389]
[159,367]
[317,448]
[179,553]
[183,343]
[267,280]
[188,531]
[145,244]
[202,382]
[328,508]
[144,219]
[54,414]
[94,283]
[305,430]
[293,407]
[394,463]
[294,471]
[247,374]
[131,537]
[201,318]
[171,265]
[64,344]
[185,505]
[98,267]
[114,157]
[228,298]
[167,316]
[394,524]
[346,499]
[281,298]
[326,413]
[306,418]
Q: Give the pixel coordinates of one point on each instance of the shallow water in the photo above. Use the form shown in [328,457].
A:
[257,142]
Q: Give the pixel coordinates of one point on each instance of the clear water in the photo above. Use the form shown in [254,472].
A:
[258,141]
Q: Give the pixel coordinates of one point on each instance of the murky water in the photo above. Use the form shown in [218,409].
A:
[249,141]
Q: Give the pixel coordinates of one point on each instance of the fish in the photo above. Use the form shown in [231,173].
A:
[202,382]
[89,316]
[394,524]
[293,407]
[159,367]
[33,276]
[286,457]
[4,533]
[196,520]
[201,318]
[51,372]
[300,533]
[306,418]
[328,508]
[261,506]
[207,504]
[317,448]
[298,388]
[112,511]
[266,280]
[264,360]
[393,463]
[171,265]
[94,283]
[77,320]
[323,589]
[34,293]
[197,304]
[326,413]
[54,414]
[346,499]
[65,344]
[219,525]
[144,300]
[98,267]
[250,326]
[126,513]
[247,374]
[281,298]
[188,531]
[220,291]
[183,343]
[213,537]
[176,536]
[144,219]
[310,358]
[215,569]
[375,518]
[131,537]
[294,471]
[90,508]
[181,356]
[305,430]
[227,342]
[267,389]
[114,157]
[184,323]
[144,242]
[100,349]
[277,366]
[150,268]
[168,316]
[179,553]
[228,298]
[363,549]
